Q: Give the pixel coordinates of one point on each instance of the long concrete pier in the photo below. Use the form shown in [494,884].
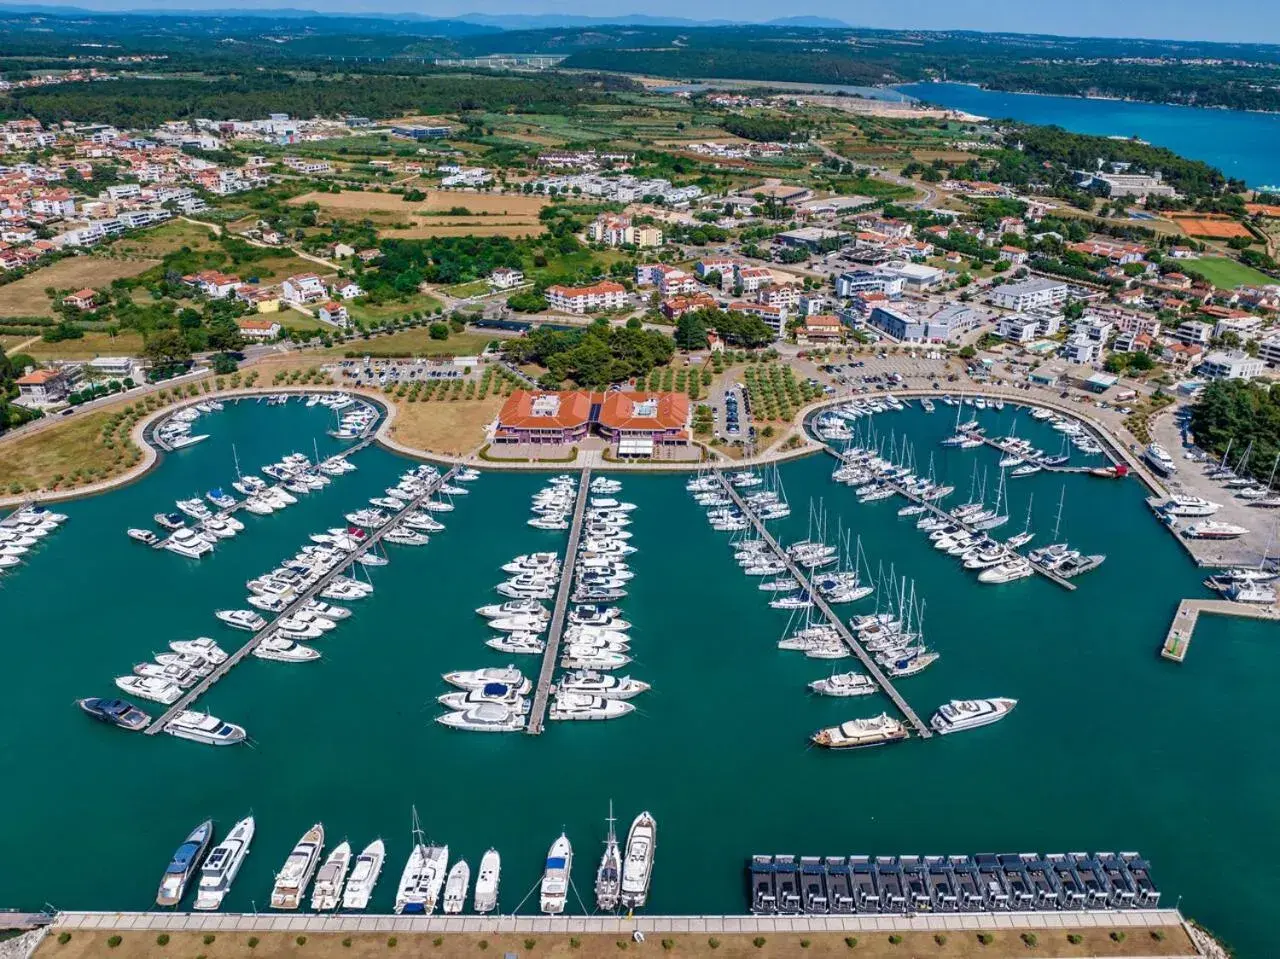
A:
[374,537]
[876,673]
[538,713]
[1178,639]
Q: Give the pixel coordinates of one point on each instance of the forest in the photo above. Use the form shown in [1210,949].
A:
[142,103]
[1241,414]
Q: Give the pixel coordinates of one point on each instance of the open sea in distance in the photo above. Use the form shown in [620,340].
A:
[1110,748]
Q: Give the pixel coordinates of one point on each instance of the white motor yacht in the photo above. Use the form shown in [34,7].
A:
[179,675]
[486,718]
[578,657]
[282,650]
[329,880]
[962,714]
[1190,506]
[245,619]
[223,864]
[844,684]
[637,865]
[517,607]
[594,683]
[148,687]
[487,879]
[488,693]
[584,706]
[456,886]
[478,678]
[364,876]
[194,662]
[188,543]
[555,876]
[201,646]
[292,881]
[204,728]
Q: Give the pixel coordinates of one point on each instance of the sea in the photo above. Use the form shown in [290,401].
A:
[1110,748]
[1241,144]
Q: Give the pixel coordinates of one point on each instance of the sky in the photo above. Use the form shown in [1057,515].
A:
[1256,21]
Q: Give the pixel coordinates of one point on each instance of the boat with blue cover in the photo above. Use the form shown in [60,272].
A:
[115,712]
[186,860]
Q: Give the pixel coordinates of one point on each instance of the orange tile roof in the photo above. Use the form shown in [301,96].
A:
[517,411]
[605,286]
[36,377]
[617,411]
[256,324]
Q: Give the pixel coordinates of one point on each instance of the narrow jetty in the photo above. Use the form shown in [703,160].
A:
[941,513]
[922,730]
[537,715]
[1178,639]
[999,447]
[374,537]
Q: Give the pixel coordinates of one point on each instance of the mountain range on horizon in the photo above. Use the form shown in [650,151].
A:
[512,21]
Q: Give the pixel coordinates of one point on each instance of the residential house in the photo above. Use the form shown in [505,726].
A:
[212,283]
[303,288]
[1081,349]
[674,307]
[1195,333]
[820,328]
[81,300]
[504,278]
[347,289]
[46,387]
[333,312]
[605,295]
[252,328]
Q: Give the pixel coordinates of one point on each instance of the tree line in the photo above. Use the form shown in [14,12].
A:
[594,357]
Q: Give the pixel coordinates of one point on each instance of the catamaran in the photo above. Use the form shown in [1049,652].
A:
[423,875]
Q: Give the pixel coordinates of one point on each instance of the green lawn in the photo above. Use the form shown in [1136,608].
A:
[360,310]
[464,290]
[1227,274]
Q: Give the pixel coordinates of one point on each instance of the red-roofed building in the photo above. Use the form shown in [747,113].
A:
[605,295]
[45,387]
[81,299]
[636,422]
[253,328]
[820,328]
[674,307]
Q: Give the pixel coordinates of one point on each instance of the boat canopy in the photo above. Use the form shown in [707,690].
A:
[555,862]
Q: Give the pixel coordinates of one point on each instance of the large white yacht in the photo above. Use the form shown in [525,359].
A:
[283,650]
[204,728]
[485,718]
[328,889]
[148,687]
[844,684]
[555,877]
[476,678]
[567,705]
[861,733]
[245,619]
[499,693]
[188,543]
[515,607]
[962,714]
[223,864]
[364,875]
[637,867]
[1190,506]
[487,882]
[292,881]
[595,683]
[455,887]
[1158,459]
[1210,529]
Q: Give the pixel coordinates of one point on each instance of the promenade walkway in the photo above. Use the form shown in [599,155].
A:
[1178,639]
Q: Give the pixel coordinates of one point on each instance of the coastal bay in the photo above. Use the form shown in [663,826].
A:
[1109,748]
[1241,144]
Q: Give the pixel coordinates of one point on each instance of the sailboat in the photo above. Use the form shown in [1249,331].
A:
[423,874]
[993,518]
[1023,538]
[609,873]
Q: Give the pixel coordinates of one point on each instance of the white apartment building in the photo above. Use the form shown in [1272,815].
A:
[1036,293]
[1231,365]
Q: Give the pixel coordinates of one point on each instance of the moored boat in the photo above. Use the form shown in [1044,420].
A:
[186,860]
[292,880]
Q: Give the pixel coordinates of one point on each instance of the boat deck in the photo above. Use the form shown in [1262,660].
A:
[555,632]
[195,692]
[876,673]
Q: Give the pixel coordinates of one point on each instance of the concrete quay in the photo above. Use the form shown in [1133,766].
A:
[1178,639]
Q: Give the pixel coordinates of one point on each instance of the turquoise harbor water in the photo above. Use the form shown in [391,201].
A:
[1110,748]
[1240,144]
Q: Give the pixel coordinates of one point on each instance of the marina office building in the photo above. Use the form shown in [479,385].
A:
[633,423]
[939,327]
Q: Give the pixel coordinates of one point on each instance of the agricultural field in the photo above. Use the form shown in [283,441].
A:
[26,297]
[1227,274]
[489,214]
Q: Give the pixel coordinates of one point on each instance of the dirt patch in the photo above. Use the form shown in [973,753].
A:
[444,426]
[1049,945]
[127,343]
[26,297]
[476,227]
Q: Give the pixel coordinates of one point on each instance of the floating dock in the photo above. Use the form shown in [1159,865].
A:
[537,715]
[1178,640]
[903,707]
[986,883]
[375,537]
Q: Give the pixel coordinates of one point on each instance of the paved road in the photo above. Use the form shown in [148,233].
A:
[928,193]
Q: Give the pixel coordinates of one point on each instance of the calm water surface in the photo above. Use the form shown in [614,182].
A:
[1109,749]
[1240,144]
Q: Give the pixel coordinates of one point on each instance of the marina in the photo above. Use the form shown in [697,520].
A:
[367,708]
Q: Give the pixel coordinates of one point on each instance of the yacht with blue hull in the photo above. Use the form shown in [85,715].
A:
[893,897]
[186,860]
[1044,884]
[866,894]
[915,880]
[115,712]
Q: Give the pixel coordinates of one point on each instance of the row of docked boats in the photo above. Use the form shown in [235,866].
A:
[23,530]
[343,880]
[175,432]
[199,523]
[958,715]
[837,423]
[910,885]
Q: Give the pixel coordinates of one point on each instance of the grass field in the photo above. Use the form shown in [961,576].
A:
[1227,274]
[493,214]
[416,342]
[168,238]
[127,343]
[465,227]
[26,297]
[1051,944]
[421,303]
[75,444]
[444,426]
[464,290]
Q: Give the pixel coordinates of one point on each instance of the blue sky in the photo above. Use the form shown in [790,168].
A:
[1256,21]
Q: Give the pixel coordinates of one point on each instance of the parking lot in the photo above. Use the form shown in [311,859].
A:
[380,373]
